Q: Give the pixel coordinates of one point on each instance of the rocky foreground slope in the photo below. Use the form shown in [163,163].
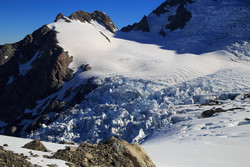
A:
[112,152]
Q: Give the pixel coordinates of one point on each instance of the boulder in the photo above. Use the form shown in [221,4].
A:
[36,145]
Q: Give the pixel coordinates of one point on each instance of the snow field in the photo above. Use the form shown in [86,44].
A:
[219,141]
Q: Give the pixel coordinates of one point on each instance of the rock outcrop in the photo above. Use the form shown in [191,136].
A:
[81,16]
[61,16]
[180,19]
[86,17]
[142,25]
[112,152]
[36,67]
[104,19]
[36,145]
[164,7]
[8,158]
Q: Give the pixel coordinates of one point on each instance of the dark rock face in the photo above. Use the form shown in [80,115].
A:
[168,4]
[142,25]
[81,16]
[61,16]
[104,19]
[112,152]
[211,112]
[37,68]
[36,145]
[99,16]
[180,19]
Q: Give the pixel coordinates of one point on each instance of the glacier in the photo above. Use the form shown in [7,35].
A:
[145,81]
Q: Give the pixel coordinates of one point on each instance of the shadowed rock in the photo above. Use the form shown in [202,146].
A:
[142,25]
[211,112]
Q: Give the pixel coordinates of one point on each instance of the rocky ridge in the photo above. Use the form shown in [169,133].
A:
[83,16]
[112,152]
[176,21]
[8,158]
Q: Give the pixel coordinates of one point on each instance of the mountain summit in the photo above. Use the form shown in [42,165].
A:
[82,16]
[191,26]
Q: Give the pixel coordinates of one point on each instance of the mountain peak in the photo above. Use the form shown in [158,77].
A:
[104,19]
[142,25]
[61,16]
[83,16]
[163,8]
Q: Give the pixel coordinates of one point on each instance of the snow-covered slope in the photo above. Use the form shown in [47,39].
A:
[219,141]
[195,26]
[150,87]
[140,85]
[151,83]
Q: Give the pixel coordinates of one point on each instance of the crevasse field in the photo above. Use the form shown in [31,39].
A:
[152,90]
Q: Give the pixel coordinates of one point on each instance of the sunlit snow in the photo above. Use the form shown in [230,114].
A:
[153,89]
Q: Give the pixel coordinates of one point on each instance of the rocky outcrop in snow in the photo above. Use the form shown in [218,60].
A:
[36,145]
[112,152]
[61,16]
[8,158]
[83,16]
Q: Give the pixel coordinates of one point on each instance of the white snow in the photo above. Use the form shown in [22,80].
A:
[219,141]
[132,59]
[140,85]
[24,68]
[151,89]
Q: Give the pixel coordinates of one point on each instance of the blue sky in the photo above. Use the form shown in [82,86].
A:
[21,17]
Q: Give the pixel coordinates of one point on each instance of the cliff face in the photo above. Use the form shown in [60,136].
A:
[31,70]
